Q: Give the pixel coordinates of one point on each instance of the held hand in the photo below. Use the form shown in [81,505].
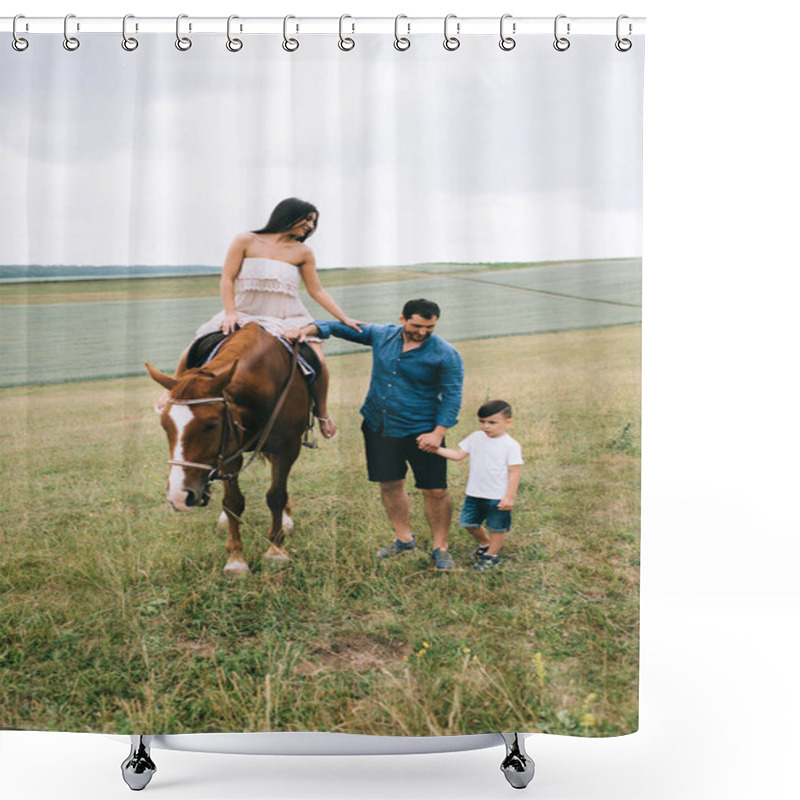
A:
[506,504]
[229,323]
[352,323]
[429,442]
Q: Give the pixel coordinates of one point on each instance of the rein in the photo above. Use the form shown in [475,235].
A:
[259,440]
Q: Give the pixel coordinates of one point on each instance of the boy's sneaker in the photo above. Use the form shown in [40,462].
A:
[442,560]
[480,551]
[487,562]
[396,548]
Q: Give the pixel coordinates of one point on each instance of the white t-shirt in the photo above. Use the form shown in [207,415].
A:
[489,460]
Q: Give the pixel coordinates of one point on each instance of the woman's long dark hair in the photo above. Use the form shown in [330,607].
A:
[287,214]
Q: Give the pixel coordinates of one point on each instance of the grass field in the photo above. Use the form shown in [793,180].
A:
[117,618]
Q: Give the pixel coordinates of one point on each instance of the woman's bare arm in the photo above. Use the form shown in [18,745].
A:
[318,293]
[230,271]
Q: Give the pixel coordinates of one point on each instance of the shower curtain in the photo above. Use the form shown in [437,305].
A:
[503,184]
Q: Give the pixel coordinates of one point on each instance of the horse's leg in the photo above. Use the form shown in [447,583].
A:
[278,502]
[233,507]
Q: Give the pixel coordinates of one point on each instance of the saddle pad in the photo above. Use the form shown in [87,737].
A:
[203,349]
[307,360]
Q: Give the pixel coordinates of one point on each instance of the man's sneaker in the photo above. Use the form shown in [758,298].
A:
[487,562]
[396,548]
[480,551]
[442,559]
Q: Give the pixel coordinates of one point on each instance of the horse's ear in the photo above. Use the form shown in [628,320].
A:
[159,377]
[224,378]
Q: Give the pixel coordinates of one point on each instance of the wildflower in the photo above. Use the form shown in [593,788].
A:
[467,650]
[588,720]
[425,645]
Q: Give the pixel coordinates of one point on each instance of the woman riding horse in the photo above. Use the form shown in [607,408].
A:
[260,283]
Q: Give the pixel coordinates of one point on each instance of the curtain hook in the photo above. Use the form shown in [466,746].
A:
[401,43]
[346,43]
[128,42]
[506,42]
[290,45]
[233,45]
[182,42]
[623,45]
[561,43]
[18,43]
[451,42]
[70,42]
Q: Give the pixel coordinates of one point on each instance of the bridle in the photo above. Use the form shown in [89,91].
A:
[232,425]
[228,424]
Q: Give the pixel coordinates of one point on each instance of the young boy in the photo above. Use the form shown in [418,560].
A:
[494,469]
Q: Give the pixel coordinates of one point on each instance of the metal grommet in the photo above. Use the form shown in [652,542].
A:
[128,42]
[70,42]
[451,42]
[623,45]
[18,43]
[233,45]
[290,45]
[182,42]
[346,43]
[561,43]
[401,42]
[506,42]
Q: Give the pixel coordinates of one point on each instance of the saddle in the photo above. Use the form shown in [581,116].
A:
[202,350]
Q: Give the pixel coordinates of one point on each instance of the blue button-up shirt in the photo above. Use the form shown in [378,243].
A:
[409,393]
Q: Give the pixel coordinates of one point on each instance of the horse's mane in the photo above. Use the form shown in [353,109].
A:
[195,382]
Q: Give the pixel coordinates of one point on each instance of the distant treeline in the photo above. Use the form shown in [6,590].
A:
[19,273]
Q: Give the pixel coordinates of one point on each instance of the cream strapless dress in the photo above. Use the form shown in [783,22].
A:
[267,291]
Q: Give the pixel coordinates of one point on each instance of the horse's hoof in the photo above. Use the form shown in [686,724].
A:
[277,555]
[236,569]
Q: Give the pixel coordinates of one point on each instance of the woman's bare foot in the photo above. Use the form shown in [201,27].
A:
[327,427]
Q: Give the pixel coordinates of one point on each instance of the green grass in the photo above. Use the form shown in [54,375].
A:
[117,616]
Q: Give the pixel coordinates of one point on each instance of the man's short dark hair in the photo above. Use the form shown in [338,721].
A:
[495,407]
[427,309]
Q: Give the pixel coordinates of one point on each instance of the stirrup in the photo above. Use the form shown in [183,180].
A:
[310,438]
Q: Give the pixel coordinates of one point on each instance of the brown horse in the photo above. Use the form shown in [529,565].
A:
[216,411]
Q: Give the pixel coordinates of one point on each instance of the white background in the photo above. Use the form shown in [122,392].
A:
[719,707]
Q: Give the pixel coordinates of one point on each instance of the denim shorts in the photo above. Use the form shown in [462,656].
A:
[477,510]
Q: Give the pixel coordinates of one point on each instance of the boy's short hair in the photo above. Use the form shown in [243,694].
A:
[493,407]
[427,309]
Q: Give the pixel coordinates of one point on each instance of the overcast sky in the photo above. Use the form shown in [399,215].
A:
[160,157]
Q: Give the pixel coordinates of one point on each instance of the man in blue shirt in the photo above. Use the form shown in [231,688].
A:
[414,397]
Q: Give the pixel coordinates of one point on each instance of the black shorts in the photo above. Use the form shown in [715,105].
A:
[388,458]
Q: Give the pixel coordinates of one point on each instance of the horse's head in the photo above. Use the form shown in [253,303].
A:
[195,419]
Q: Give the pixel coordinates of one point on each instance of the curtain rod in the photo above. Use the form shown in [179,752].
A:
[461,26]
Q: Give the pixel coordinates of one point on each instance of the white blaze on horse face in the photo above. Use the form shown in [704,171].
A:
[181,416]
